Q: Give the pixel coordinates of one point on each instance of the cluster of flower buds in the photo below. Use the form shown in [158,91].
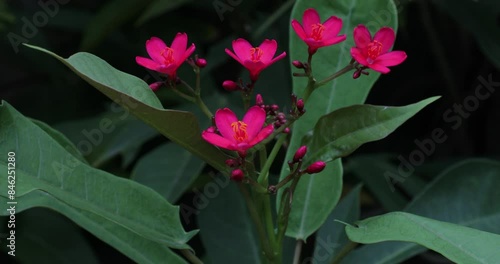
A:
[316,167]
[272,111]
[237,173]
[297,107]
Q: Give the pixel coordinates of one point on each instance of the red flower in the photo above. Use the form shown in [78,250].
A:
[166,59]
[238,135]
[314,33]
[374,52]
[255,59]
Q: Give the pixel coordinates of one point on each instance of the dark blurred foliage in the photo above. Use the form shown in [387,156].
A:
[444,58]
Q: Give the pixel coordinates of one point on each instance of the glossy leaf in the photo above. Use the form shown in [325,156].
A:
[168,169]
[451,197]
[331,238]
[44,165]
[226,229]
[134,95]
[458,243]
[311,207]
[341,132]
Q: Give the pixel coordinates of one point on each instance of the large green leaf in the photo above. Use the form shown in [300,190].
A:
[341,132]
[458,243]
[226,229]
[43,165]
[311,207]
[465,194]
[169,170]
[135,96]
[330,238]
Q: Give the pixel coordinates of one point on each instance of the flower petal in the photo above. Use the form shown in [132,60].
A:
[334,40]
[223,120]
[380,68]
[357,54]
[186,54]
[155,47]
[279,57]
[147,63]
[230,53]
[332,25]
[268,47]
[392,58]
[299,29]
[386,36]
[362,36]
[263,134]
[242,49]
[179,45]
[310,18]
[217,140]
[254,118]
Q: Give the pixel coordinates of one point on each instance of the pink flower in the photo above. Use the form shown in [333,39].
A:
[316,34]
[374,52]
[166,59]
[255,59]
[238,135]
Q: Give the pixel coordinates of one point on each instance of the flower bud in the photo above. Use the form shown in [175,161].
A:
[258,100]
[300,105]
[155,86]
[230,85]
[287,130]
[231,163]
[237,175]
[275,107]
[200,62]
[299,154]
[356,74]
[297,64]
[316,167]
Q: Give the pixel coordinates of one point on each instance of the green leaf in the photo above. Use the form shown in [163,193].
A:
[134,246]
[108,135]
[134,95]
[464,194]
[330,239]
[458,243]
[481,19]
[226,229]
[47,238]
[157,8]
[111,16]
[43,165]
[311,207]
[169,170]
[341,132]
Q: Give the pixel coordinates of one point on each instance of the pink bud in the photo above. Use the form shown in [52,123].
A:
[155,86]
[300,105]
[230,85]
[299,154]
[237,175]
[200,62]
[356,74]
[287,130]
[231,163]
[258,100]
[297,64]
[316,167]
[275,107]
[210,129]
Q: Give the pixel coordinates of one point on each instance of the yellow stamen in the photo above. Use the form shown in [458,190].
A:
[240,131]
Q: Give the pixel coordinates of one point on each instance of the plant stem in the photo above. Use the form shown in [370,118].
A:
[257,221]
[346,69]
[183,95]
[298,250]
[203,107]
[190,256]
[344,251]
[267,165]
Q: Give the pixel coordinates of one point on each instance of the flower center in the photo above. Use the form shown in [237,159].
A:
[168,55]
[374,49]
[255,54]
[240,131]
[317,31]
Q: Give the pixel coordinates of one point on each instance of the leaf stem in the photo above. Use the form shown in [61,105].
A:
[191,256]
[344,70]
[298,250]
